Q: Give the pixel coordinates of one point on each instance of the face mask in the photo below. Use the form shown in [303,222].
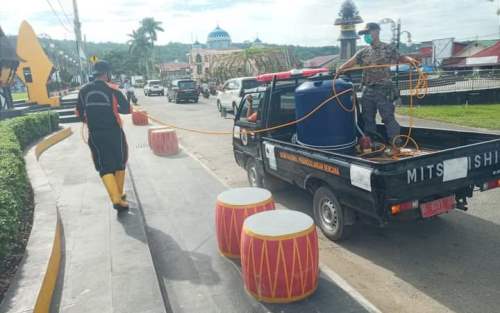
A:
[368,38]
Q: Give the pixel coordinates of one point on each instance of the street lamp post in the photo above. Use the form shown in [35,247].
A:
[396,39]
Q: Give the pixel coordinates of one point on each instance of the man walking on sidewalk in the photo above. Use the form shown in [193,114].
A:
[99,105]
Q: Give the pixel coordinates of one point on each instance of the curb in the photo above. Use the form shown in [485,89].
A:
[34,283]
[52,140]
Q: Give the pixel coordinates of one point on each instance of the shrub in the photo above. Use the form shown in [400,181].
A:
[15,191]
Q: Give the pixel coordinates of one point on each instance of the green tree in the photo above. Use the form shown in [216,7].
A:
[140,47]
[150,27]
[123,62]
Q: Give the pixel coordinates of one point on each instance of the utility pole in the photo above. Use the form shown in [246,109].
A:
[398,44]
[78,39]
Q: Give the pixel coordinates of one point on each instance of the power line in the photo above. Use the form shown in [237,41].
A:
[58,18]
[68,19]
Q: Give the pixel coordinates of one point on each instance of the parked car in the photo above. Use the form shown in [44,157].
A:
[182,90]
[230,96]
[154,87]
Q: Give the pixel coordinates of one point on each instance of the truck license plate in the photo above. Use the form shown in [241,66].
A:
[437,207]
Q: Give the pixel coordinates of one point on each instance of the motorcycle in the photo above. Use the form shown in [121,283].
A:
[131,97]
[206,93]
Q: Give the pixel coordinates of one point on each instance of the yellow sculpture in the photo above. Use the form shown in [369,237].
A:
[35,69]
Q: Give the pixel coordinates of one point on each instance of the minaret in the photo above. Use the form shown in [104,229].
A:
[348,18]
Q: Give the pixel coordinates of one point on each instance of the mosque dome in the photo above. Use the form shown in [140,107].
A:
[218,39]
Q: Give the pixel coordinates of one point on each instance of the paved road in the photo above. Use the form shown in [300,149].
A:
[177,196]
[447,264]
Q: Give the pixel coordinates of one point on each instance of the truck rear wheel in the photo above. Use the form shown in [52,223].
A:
[329,215]
[256,179]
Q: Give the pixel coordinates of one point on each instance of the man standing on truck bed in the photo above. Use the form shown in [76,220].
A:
[378,92]
[99,104]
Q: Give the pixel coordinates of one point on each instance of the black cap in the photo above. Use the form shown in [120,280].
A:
[101,67]
[368,28]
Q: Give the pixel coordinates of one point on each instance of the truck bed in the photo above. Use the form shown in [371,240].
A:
[456,162]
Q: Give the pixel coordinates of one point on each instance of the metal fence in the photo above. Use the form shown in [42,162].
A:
[456,81]
[448,87]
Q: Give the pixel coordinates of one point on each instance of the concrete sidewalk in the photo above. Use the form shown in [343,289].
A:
[164,246]
[178,199]
[107,264]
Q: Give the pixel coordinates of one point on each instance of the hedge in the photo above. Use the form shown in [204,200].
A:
[15,191]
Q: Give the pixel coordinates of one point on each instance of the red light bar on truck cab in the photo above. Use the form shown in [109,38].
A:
[266,78]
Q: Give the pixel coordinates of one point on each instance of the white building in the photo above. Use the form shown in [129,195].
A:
[218,43]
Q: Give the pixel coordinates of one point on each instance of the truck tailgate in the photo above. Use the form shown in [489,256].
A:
[439,172]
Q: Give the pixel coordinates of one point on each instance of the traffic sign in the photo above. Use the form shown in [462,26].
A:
[93,59]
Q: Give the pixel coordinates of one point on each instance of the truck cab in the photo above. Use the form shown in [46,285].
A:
[274,105]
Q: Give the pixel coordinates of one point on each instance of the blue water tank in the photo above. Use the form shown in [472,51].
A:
[331,127]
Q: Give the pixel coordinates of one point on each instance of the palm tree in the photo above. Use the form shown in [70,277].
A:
[140,46]
[150,27]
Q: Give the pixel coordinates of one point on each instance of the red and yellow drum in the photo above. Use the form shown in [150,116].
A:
[164,142]
[140,118]
[150,130]
[232,208]
[279,256]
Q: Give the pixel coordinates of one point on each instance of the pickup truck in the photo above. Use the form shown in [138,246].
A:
[347,187]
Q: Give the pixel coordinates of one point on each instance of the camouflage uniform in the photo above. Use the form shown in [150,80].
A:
[378,91]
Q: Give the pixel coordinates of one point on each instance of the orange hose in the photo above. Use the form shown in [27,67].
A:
[420,90]
[210,132]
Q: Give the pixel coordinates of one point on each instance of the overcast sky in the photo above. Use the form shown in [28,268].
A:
[275,21]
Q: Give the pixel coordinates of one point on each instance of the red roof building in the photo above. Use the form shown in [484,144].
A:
[321,61]
[486,58]
[426,52]
[172,71]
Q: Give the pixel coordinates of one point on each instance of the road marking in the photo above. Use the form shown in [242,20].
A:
[336,278]
[209,170]
[350,290]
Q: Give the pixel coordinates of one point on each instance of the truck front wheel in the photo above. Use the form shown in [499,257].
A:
[329,215]
[254,178]
[257,179]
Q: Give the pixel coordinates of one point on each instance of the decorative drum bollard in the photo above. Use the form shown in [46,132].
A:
[140,118]
[232,208]
[279,256]
[151,129]
[164,142]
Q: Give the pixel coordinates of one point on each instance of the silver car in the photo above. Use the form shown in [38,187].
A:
[232,92]
[154,87]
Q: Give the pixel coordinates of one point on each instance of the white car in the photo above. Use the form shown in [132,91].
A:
[154,87]
[230,96]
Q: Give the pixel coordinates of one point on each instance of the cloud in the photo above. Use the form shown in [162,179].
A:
[275,21]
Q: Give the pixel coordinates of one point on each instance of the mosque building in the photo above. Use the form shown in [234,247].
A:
[218,43]
[218,39]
